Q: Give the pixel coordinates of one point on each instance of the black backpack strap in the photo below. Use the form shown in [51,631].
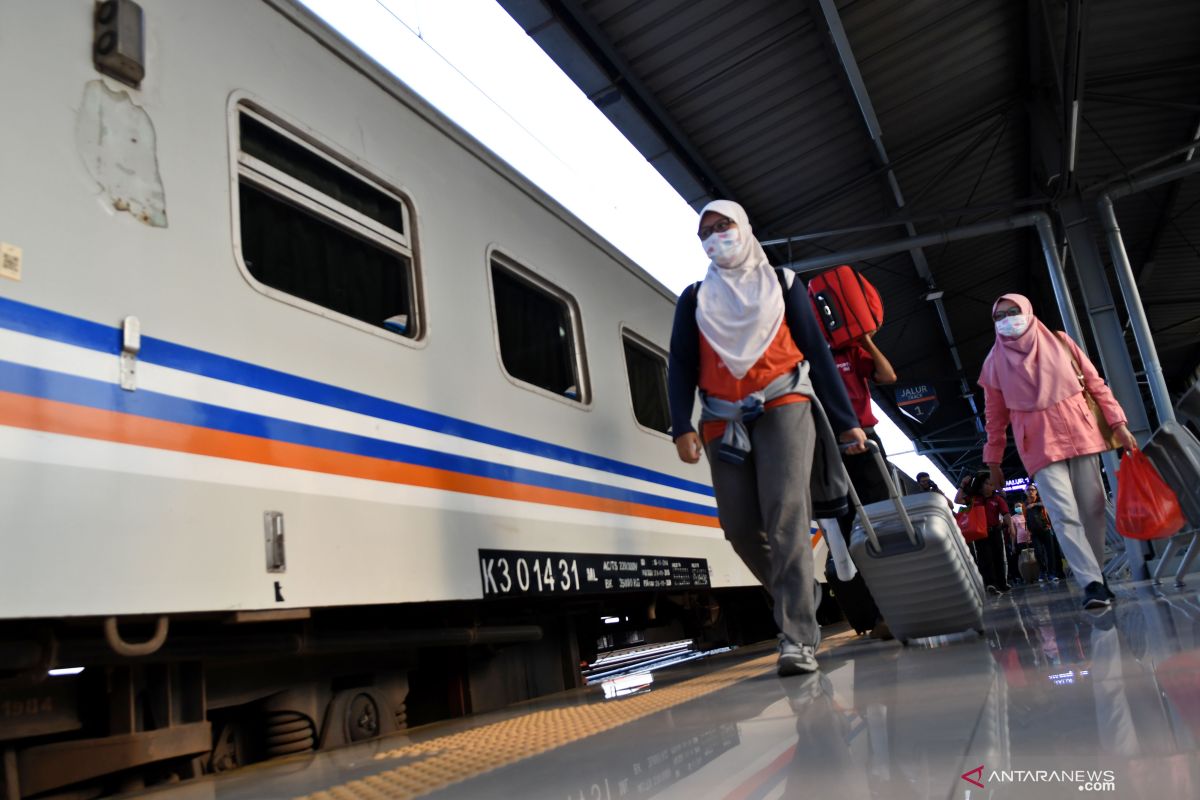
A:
[783,286]
[692,301]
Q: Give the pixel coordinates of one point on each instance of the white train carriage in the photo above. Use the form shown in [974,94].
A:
[277,340]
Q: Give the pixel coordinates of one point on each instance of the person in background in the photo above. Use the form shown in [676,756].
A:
[1018,534]
[1042,534]
[859,364]
[978,489]
[752,345]
[927,485]
[1036,380]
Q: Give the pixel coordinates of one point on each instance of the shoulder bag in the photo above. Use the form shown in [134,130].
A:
[1106,431]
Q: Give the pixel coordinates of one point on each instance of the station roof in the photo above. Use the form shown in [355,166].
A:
[822,115]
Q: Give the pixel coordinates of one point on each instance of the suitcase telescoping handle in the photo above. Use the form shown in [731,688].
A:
[892,493]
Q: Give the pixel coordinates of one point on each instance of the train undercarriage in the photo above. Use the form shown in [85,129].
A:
[165,700]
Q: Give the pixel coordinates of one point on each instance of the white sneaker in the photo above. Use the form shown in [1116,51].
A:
[796,659]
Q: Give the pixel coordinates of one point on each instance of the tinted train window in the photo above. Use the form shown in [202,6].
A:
[647,370]
[537,328]
[319,232]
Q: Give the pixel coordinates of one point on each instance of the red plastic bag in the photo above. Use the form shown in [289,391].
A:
[1146,506]
[973,523]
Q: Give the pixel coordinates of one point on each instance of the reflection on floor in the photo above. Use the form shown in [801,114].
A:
[1053,702]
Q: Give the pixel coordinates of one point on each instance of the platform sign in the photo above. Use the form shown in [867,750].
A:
[514,573]
[1016,484]
[918,401]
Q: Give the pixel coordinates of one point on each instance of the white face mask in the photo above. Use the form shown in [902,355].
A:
[1013,326]
[723,248]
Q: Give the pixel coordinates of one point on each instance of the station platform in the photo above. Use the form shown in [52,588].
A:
[1053,702]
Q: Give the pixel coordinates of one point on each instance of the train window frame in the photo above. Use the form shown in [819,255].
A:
[520,269]
[638,340]
[276,183]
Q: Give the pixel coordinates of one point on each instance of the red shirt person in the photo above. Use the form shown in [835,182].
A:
[977,490]
[859,363]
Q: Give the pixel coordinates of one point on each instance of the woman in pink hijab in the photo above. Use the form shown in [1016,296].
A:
[1030,380]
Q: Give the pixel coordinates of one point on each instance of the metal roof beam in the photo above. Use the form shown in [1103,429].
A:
[956,424]
[1166,219]
[1152,72]
[999,108]
[1073,80]
[997,127]
[589,35]
[941,449]
[1047,29]
[1012,223]
[862,98]
[1008,209]
[1146,102]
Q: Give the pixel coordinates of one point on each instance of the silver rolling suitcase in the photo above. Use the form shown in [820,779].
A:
[916,564]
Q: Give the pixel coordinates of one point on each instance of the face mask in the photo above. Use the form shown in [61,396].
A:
[1013,326]
[723,248]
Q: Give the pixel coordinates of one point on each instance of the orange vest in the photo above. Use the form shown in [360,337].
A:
[781,357]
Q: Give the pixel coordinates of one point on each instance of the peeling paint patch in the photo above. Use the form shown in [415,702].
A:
[116,139]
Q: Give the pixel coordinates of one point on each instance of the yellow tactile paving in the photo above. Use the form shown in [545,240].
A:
[457,757]
[440,762]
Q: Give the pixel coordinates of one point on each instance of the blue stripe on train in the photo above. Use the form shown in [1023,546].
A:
[50,385]
[94,336]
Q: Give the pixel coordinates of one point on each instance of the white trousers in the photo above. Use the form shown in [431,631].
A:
[1074,496]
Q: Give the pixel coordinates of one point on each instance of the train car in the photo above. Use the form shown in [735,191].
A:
[316,418]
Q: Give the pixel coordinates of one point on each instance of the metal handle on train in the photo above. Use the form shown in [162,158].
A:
[892,493]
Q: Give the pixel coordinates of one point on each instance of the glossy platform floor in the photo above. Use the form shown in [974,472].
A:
[1050,692]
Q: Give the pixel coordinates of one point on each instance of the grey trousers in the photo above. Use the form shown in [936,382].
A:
[1073,493]
[766,512]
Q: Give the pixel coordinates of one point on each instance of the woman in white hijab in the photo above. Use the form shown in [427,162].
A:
[746,336]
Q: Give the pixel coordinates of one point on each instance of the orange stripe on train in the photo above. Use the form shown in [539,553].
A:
[52,416]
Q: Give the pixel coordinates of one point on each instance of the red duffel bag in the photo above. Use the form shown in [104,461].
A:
[847,305]
[1146,506]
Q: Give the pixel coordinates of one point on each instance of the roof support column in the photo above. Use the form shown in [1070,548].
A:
[1105,323]
[1128,282]
[1110,341]
[1137,314]
[1107,328]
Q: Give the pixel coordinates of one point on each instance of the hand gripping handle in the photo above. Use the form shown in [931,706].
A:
[892,493]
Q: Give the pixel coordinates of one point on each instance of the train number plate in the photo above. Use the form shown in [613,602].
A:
[513,573]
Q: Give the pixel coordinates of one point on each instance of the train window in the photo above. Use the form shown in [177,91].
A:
[321,233]
[537,326]
[646,367]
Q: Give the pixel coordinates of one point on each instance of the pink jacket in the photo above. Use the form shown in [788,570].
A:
[1019,532]
[1064,430]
